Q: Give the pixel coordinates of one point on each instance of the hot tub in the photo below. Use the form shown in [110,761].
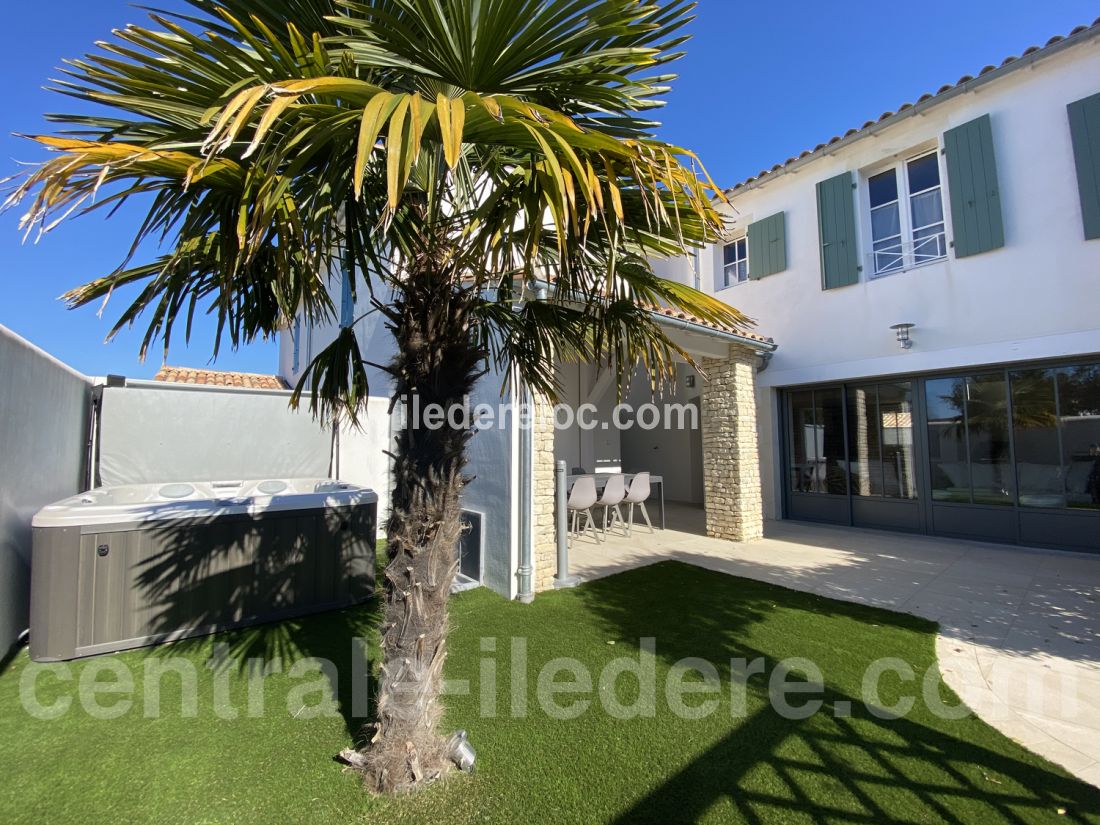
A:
[124,567]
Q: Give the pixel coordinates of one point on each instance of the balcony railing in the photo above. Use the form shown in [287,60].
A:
[904,255]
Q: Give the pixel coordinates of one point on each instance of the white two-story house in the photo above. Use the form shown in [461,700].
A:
[932,279]
[927,287]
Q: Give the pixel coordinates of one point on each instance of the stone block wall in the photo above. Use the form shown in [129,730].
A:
[543,528]
[731,455]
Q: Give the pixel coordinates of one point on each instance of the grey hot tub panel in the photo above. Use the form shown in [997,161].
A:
[104,587]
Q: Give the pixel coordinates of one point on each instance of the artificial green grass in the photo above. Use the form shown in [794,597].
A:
[755,767]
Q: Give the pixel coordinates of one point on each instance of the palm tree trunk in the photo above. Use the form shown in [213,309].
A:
[437,363]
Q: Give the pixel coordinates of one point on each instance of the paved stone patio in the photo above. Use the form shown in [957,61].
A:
[1019,633]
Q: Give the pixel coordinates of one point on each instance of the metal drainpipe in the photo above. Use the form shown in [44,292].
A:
[561,510]
[526,570]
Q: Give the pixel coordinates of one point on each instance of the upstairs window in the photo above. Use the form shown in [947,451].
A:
[735,262]
[907,220]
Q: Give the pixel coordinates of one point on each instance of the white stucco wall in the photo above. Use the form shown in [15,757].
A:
[672,452]
[675,454]
[1037,297]
[598,450]
[363,450]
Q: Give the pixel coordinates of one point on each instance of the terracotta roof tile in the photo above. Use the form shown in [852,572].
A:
[218,378]
[1030,50]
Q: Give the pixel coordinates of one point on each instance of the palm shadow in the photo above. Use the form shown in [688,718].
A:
[10,656]
[288,587]
[844,763]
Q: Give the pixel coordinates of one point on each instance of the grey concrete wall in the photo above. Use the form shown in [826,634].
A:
[490,492]
[43,433]
[152,433]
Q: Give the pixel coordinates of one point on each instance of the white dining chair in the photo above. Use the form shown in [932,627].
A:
[637,495]
[613,494]
[582,498]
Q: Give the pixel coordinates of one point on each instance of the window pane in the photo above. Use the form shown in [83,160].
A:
[729,253]
[829,414]
[1079,406]
[817,442]
[896,419]
[886,222]
[991,475]
[1035,429]
[927,208]
[864,443]
[803,443]
[924,173]
[883,188]
[946,401]
[886,238]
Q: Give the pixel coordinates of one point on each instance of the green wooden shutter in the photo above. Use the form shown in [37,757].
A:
[1084,127]
[836,218]
[975,195]
[768,246]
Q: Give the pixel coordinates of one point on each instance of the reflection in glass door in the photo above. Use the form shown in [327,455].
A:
[970,456]
[968,440]
[817,467]
[1007,455]
[881,456]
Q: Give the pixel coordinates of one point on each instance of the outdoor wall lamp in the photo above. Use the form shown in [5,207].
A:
[902,331]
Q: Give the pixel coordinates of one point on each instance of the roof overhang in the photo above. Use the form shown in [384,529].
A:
[703,339]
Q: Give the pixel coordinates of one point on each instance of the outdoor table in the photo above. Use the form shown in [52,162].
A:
[601,482]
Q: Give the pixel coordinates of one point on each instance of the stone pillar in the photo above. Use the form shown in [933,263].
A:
[543,523]
[731,456]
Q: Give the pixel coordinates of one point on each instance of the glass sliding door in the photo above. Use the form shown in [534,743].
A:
[968,441]
[970,456]
[880,441]
[881,457]
[949,478]
[1040,481]
[898,458]
[1006,455]
[1079,427]
[818,477]
[1056,428]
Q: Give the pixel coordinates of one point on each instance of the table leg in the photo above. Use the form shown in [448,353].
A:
[662,505]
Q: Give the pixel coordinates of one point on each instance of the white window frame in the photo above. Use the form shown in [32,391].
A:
[909,208]
[902,224]
[726,282]
[900,168]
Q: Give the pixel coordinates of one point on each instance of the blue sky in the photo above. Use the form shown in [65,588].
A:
[761,82]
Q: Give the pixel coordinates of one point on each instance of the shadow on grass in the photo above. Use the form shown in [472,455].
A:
[9,657]
[266,578]
[842,763]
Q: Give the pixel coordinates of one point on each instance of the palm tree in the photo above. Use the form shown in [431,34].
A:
[482,171]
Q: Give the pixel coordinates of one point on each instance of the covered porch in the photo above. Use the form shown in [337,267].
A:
[695,436]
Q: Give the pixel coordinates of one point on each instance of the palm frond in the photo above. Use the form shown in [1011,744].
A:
[505,142]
